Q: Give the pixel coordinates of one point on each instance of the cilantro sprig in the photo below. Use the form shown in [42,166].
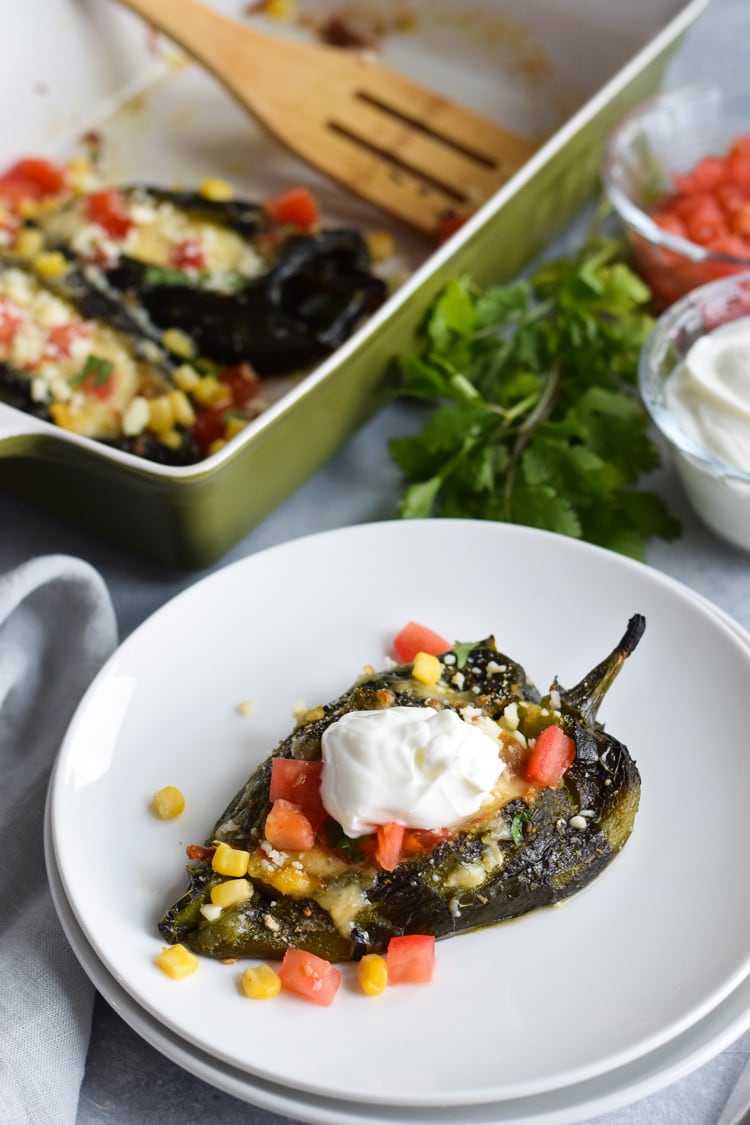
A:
[536,418]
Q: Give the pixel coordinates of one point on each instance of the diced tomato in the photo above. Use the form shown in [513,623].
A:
[107,210]
[11,319]
[740,146]
[738,170]
[740,221]
[198,851]
[708,173]
[295,207]
[673,224]
[552,754]
[415,638]
[731,198]
[411,959]
[309,976]
[388,848]
[188,255]
[447,225]
[62,337]
[422,841]
[99,388]
[243,383]
[298,781]
[287,827]
[32,178]
[209,426]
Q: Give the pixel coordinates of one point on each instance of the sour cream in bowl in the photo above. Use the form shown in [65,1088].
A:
[694,379]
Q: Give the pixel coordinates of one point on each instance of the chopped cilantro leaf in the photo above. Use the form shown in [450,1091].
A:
[96,371]
[516,826]
[462,650]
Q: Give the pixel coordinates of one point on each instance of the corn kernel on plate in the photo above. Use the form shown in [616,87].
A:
[299,621]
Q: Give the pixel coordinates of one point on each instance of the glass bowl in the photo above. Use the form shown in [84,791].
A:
[664,137]
[718,491]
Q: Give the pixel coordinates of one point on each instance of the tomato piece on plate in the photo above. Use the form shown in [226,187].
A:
[388,848]
[298,781]
[309,976]
[415,638]
[552,754]
[295,207]
[411,959]
[287,827]
[421,841]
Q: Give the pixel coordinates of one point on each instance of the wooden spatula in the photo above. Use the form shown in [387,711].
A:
[411,152]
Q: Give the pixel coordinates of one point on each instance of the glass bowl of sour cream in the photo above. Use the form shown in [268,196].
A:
[694,379]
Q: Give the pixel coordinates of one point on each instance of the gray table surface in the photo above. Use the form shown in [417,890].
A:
[129,1083]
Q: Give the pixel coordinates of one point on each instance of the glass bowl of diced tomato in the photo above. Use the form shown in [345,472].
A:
[677,171]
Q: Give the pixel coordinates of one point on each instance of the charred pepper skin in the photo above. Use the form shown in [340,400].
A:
[540,847]
[315,289]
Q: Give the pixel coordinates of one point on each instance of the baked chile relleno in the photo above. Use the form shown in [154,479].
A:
[241,287]
[532,845]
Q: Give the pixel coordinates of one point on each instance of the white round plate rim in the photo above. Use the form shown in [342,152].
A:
[675,1059]
[419,541]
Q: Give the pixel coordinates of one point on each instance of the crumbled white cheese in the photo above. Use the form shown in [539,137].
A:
[210,911]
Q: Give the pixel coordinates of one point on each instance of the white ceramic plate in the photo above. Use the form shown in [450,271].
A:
[554,999]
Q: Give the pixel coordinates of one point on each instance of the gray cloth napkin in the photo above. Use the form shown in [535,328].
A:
[57,627]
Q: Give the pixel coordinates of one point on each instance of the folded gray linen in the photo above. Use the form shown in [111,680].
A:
[57,627]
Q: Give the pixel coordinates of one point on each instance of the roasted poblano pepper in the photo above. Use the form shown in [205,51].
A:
[244,290]
[536,846]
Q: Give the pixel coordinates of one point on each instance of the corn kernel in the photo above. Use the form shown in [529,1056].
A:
[184,414]
[261,982]
[245,707]
[230,861]
[28,208]
[136,416]
[211,391]
[177,961]
[161,414]
[215,446]
[290,881]
[168,803]
[233,427]
[381,245]
[231,892]
[372,973]
[50,263]
[426,669]
[178,342]
[186,377]
[219,191]
[280,9]
[170,439]
[29,243]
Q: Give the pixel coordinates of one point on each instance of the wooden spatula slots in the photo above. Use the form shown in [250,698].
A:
[410,151]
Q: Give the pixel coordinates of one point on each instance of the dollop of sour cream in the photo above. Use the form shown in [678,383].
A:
[709,393]
[413,765]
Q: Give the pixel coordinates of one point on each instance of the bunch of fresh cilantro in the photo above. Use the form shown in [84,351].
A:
[537,419]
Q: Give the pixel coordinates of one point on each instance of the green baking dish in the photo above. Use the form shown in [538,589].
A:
[191,516]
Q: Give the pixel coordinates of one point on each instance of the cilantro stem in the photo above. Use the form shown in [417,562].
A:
[541,412]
